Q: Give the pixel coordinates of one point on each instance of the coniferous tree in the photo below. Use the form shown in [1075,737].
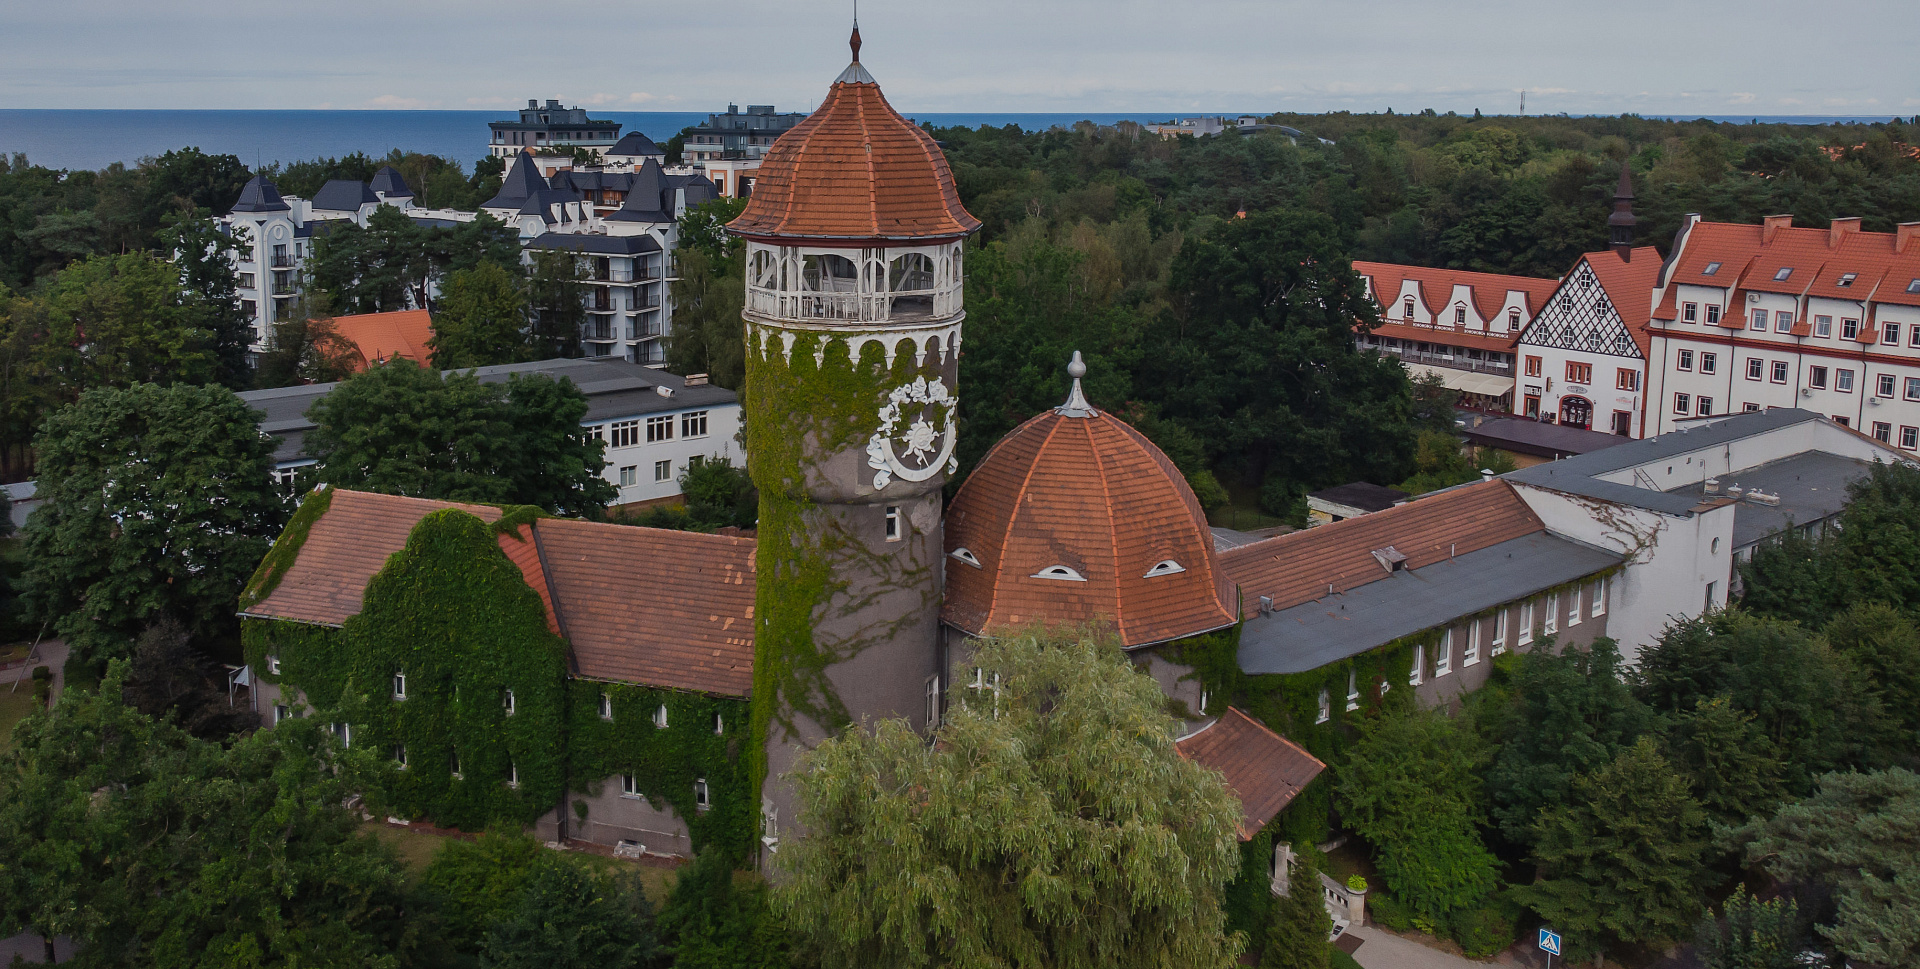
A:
[1879,541]
[201,252]
[1622,862]
[1882,648]
[570,919]
[1751,934]
[1297,937]
[1734,770]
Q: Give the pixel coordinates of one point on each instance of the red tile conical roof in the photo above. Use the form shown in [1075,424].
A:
[1073,518]
[855,169]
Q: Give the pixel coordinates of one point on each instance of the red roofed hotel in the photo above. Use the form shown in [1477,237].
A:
[1457,325]
[1827,319]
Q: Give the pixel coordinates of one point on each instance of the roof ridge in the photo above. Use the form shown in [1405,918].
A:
[1019,503]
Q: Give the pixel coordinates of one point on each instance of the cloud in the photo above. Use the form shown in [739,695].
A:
[394,102]
[1741,97]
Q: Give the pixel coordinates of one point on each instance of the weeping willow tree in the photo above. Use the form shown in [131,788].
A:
[1052,823]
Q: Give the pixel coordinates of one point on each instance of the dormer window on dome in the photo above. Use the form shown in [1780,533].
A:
[1164,567]
[967,557]
[1060,572]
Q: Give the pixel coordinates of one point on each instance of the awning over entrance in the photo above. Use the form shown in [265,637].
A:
[1466,381]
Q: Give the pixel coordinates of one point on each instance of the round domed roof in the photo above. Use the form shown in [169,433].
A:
[855,169]
[1075,517]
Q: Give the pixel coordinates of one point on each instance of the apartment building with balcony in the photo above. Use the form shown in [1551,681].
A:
[737,134]
[1456,325]
[551,129]
[1821,318]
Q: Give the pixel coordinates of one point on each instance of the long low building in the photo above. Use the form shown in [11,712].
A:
[654,423]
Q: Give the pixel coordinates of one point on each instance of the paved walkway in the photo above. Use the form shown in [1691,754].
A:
[53,654]
[29,947]
[1380,949]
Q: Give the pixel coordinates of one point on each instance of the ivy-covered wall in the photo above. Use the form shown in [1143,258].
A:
[456,616]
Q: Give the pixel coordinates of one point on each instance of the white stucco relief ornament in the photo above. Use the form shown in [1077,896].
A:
[917,433]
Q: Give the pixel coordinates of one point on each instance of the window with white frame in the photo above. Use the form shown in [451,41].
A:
[1817,378]
[719,724]
[1759,319]
[1823,327]
[624,433]
[660,717]
[1499,631]
[1353,691]
[701,799]
[507,703]
[1883,385]
[659,429]
[1779,374]
[1912,391]
[399,684]
[606,706]
[1883,432]
[1598,607]
[1326,706]
[1573,606]
[1690,313]
[933,701]
[1909,437]
[513,774]
[1683,403]
[1550,623]
[1683,360]
[1526,623]
[1702,406]
[629,476]
[893,523]
[1782,321]
[281,712]
[1708,361]
[1443,658]
[1843,381]
[1417,673]
[1470,653]
[273,663]
[1204,697]
[344,733]
[693,424]
[1756,368]
[663,470]
[400,756]
[629,785]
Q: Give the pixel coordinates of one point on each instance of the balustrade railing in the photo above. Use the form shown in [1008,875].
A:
[853,307]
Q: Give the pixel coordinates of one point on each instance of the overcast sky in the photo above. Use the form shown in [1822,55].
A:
[1711,57]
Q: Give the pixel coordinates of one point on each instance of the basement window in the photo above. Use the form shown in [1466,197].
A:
[893,523]
[1164,567]
[1060,572]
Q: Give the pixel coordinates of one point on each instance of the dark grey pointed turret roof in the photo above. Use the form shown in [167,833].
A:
[387,181]
[646,197]
[260,195]
[343,195]
[635,144]
[523,181]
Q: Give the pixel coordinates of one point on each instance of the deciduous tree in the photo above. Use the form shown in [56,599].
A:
[1053,824]
[481,319]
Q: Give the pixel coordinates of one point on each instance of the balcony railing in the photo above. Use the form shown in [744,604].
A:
[1451,361]
[853,307]
[284,289]
[282,261]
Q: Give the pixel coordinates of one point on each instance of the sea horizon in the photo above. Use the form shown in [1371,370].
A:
[93,138]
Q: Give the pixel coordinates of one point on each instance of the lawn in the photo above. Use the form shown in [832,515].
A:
[15,704]
[416,849]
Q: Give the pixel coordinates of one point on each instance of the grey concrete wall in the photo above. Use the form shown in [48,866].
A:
[613,817]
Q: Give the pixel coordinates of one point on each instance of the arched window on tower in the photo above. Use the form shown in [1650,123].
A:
[829,274]
[766,270]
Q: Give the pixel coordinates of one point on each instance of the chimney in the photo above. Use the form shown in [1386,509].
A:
[533,102]
[1903,234]
[1771,225]
[1620,224]
[1840,230]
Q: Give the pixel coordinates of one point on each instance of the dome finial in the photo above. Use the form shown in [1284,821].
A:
[854,41]
[1076,405]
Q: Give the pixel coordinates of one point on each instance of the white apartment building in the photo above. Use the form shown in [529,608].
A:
[655,424]
[1826,319]
[1457,325]
[1583,360]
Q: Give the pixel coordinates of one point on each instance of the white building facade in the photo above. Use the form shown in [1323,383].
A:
[1583,359]
[1457,325]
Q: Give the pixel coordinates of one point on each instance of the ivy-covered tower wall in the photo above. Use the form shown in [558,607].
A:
[851,425]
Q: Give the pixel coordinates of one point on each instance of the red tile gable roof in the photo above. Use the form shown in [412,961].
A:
[384,336]
[645,605]
[1093,495]
[1819,257]
[1263,769]
[1298,567]
[855,169]
[1436,288]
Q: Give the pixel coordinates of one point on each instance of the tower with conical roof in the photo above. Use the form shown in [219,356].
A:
[852,313]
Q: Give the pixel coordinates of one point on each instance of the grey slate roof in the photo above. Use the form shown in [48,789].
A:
[388,180]
[1362,495]
[1313,634]
[615,389]
[343,195]
[260,195]
[634,143]
[597,244]
[1538,438]
[1580,475]
[647,199]
[522,181]
[1812,485]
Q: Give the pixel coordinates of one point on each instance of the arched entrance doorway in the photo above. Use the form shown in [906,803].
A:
[1576,412]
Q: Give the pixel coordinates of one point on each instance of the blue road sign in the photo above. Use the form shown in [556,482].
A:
[1550,941]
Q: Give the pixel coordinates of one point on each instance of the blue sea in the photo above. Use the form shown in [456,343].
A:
[75,139]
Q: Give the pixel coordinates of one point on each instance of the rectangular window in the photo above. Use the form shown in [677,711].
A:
[1849,329]
[1470,653]
[273,664]
[1703,407]
[281,712]
[1690,312]
[1533,366]
[701,799]
[1843,381]
[1682,403]
[1526,623]
[606,706]
[1550,623]
[1779,372]
[1683,360]
[400,755]
[1416,674]
[893,523]
[1443,660]
[1759,320]
[1573,606]
[1326,707]
[1599,606]
[246,281]
[1884,385]
[719,724]
[627,433]
[1842,421]
[629,785]
[1782,275]
[344,732]
[659,429]
[1756,368]
[1624,379]
[597,431]
[693,424]
[1913,388]
[1459,316]
[507,703]
[1500,631]
[1782,321]
[400,686]
[1713,314]
[1823,326]
[660,717]
[1913,335]
[1579,373]
[1817,378]
[1890,334]
[1353,691]
[933,701]
[663,470]
[629,476]
[1883,432]
[513,774]
[1846,280]
[1910,437]
[1708,361]
[1710,591]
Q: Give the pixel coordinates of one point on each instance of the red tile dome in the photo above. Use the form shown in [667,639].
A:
[1075,517]
[855,169]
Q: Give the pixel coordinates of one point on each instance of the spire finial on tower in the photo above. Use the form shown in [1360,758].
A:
[1076,405]
[1620,224]
[854,41]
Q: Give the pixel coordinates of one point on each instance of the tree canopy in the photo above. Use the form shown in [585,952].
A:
[1052,823]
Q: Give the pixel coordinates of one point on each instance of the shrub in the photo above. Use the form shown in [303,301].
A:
[1482,930]
[43,672]
[1387,911]
[1356,883]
